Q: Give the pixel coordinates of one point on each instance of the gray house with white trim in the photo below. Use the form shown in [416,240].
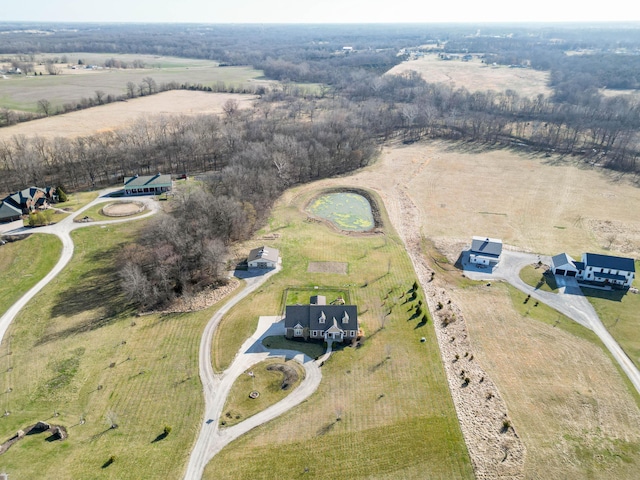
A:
[319,321]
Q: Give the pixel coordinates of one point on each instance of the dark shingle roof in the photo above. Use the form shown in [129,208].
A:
[561,259]
[309,316]
[9,211]
[486,246]
[608,261]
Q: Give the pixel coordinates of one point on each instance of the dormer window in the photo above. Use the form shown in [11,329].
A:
[345,317]
[322,318]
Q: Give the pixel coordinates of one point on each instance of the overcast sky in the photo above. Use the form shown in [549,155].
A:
[325,11]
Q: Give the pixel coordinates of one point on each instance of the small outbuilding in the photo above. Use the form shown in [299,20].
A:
[263,257]
[485,250]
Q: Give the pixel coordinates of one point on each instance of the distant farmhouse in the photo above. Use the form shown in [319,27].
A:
[263,257]
[594,268]
[13,206]
[319,321]
[485,251]
[148,184]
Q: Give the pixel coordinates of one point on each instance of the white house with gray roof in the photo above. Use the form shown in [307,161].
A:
[263,257]
[485,250]
[596,268]
[319,321]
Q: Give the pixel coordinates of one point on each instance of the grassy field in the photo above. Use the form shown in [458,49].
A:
[396,415]
[77,200]
[22,93]
[546,378]
[619,314]
[565,395]
[268,383]
[312,349]
[23,264]
[80,351]
[475,75]
[121,114]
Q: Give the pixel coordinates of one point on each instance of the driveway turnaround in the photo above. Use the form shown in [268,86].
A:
[570,300]
[63,230]
[216,387]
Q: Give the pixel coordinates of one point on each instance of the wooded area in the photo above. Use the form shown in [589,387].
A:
[294,136]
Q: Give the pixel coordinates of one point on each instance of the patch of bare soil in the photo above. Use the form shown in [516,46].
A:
[290,375]
[328,267]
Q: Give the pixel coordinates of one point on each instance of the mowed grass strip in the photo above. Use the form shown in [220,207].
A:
[79,350]
[23,264]
[383,410]
[268,383]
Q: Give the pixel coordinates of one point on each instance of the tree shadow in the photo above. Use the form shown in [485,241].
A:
[160,437]
[422,323]
[326,429]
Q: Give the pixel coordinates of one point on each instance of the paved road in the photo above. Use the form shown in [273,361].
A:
[570,301]
[63,230]
[216,387]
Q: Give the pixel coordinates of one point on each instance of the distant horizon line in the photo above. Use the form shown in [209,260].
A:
[438,23]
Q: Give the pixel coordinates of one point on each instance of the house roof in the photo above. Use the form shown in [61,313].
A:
[264,253]
[9,211]
[609,261]
[562,260]
[486,246]
[19,199]
[309,316]
[579,265]
[138,181]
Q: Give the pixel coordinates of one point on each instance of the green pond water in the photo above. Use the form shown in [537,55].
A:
[348,211]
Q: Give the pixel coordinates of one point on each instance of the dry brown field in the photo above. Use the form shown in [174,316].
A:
[121,114]
[475,75]
[564,394]
[537,204]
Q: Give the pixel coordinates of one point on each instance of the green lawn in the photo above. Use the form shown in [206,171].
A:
[396,416]
[79,350]
[303,295]
[538,279]
[77,200]
[23,264]
[620,315]
[268,383]
[312,349]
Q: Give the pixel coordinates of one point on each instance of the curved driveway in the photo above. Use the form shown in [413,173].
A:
[63,230]
[570,301]
[216,387]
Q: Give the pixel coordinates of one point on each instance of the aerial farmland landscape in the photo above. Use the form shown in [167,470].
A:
[270,246]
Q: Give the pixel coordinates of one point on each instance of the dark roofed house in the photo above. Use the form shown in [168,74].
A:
[596,269]
[485,251]
[9,213]
[23,202]
[319,321]
[607,269]
[147,184]
[263,257]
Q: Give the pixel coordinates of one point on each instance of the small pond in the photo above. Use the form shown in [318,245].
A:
[347,210]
